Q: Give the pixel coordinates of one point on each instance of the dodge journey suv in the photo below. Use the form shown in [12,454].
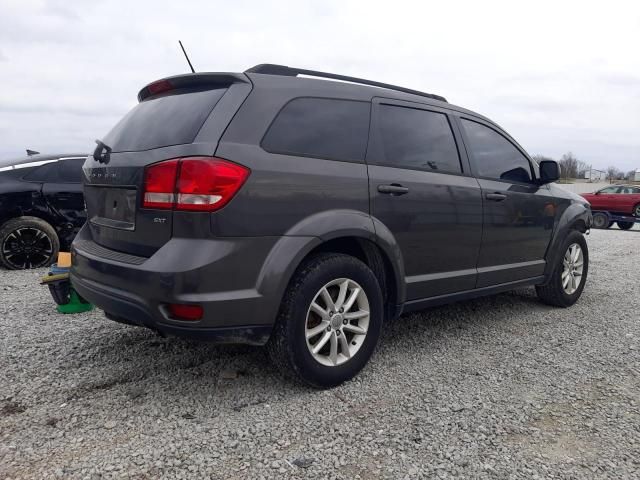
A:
[271,208]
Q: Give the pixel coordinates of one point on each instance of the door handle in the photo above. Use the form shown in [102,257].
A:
[496,197]
[393,189]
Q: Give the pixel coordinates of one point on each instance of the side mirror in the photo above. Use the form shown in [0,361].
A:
[549,171]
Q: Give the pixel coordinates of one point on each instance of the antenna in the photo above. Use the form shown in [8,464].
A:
[186,56]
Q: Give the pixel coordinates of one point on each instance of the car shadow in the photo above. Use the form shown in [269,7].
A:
[139,365]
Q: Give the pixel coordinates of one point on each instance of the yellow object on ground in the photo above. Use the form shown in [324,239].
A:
[54,278]
[64,259]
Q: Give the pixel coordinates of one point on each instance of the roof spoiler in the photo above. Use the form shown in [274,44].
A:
[273,69]
[191,80]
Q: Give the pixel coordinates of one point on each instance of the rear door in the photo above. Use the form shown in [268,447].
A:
[422,191]
[186,117]
[625,199]
[518,214]
[631,200]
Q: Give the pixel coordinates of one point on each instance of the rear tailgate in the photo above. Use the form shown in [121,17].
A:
[181,116]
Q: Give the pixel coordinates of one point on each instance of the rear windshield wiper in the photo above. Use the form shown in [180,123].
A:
[102,153]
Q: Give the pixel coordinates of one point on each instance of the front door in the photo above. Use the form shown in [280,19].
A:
[518,215]
[605,199]
[421,192]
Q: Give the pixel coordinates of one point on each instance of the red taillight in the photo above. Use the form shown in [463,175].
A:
[185,312]
[203,184]
[208,184]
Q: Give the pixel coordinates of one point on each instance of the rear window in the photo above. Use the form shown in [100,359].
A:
[416,139]
[171,119]
[320,127]
[71,170]
[44,173]
[62,171]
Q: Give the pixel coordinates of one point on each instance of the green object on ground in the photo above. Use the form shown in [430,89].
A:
[76,304]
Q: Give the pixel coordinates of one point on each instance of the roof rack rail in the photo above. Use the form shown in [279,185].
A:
[273,69]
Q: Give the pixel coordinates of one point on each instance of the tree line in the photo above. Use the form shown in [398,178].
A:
[572,167]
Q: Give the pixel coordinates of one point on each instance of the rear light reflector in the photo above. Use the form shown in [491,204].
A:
[180,311]
[202,184]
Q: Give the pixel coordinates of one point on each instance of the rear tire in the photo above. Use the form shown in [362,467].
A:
[28,242]
[556,292]
[636,210]
[625,225]
[601,220]
[292,342]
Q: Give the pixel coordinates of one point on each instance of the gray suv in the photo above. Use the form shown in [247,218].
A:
[267,207]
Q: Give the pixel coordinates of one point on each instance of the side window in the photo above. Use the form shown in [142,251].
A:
[610,190]
[320,127]
[71,171]
[44,173]
[416,139]
[494,155]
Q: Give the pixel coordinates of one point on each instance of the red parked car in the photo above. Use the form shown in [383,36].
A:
[616,199]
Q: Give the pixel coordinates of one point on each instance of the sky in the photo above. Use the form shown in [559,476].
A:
[558,75]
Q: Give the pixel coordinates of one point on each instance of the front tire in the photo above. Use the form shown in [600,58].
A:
[28,242]
[625,225]
[329,322]
[569,274]
[601,220]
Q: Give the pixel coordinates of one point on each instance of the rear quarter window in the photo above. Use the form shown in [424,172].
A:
[320,127]
[70,171]
[174,118]
[49,172]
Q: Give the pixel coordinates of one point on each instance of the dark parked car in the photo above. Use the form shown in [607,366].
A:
[266,208]
[41,208]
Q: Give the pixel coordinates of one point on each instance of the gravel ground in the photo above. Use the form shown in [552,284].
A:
[502,387]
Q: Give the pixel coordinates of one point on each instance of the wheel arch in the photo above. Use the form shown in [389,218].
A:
[342,231]
[576,217]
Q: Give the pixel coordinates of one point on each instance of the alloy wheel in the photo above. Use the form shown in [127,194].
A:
[573,266]
[337,322]
[27,247]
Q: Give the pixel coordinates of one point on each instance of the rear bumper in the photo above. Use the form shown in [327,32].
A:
[124,308]
[218,274]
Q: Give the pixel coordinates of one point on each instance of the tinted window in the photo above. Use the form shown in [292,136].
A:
[70,171]
[44,173]
[416,139]
[610,190]
[494,155]
[320,127]
[165,120]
